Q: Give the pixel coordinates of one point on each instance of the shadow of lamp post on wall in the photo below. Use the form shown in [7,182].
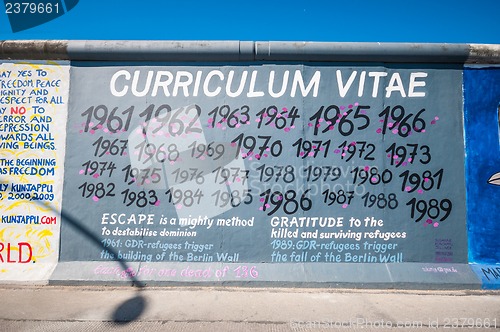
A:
[131,309]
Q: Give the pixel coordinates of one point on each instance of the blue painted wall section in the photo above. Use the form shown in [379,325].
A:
[482,143]
[489,275]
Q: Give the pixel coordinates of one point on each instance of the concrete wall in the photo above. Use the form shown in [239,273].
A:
[250,163]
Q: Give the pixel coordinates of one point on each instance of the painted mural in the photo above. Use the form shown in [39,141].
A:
[249,173]
[262,166]
[33,113]
[482,134]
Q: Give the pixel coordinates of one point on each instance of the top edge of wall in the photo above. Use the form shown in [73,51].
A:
[239,51]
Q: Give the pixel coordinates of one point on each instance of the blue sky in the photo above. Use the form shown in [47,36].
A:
[436,21]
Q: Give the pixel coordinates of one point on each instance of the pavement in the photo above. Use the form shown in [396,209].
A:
[85,308]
